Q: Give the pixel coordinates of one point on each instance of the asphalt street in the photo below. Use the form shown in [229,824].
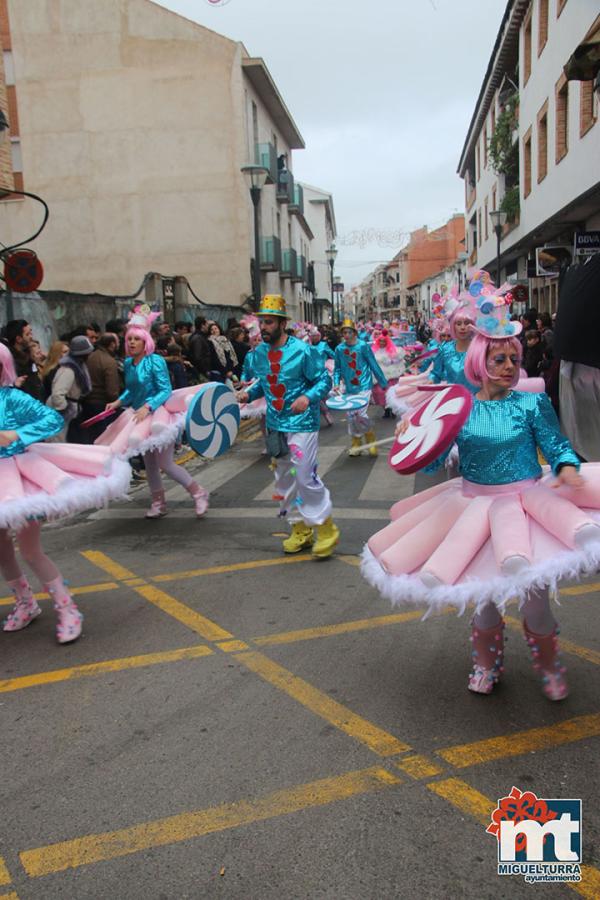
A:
[240,724]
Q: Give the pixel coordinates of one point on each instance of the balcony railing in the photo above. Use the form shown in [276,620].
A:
[300,269]
[288,263]
[297,202]
[270,254]
[285,186]
[266,155]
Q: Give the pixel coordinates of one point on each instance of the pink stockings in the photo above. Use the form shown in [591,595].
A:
[535,611]
[30,548]
[162,460]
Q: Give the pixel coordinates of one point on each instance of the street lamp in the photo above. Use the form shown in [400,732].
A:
[256,177]
[331,254]
[498,221]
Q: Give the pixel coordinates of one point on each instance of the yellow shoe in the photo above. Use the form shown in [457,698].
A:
[370,439]
[356,444]
[328,534]
[301,537]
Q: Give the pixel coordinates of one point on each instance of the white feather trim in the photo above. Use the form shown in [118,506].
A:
[252,412]
[397,406]
[167,435]
[410,590]
[76,495]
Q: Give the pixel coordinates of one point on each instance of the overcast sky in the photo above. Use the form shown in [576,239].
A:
[382,91]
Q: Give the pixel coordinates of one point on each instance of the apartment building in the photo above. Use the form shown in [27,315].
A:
[533,147]
[320,216]
[133,123]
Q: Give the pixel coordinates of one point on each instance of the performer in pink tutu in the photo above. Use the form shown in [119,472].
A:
[503,531]
[154,416]
[39,481]
[391,361]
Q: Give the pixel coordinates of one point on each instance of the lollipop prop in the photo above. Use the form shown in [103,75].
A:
[99,418]
[213,420]
[345,402]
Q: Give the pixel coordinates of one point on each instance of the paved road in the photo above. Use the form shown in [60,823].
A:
[239,724]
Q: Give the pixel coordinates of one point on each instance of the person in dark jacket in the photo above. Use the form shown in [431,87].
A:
[199,348]
[241,347]
[534,352]
[19,336]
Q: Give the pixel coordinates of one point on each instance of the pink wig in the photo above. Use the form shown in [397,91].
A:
[476,370]
[440,326]
[460,313]
[389,346]
[7,373]
[140,332]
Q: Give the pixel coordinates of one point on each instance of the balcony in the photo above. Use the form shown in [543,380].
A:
[297,201]
[288,264]
[285,186]
[266,155]
[471,197]
[300,275]
[270,254]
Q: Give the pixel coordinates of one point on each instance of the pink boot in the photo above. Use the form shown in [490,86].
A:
[488,658]
[200,496]
[158,507]
[69,618]
[26,608]
[546,661]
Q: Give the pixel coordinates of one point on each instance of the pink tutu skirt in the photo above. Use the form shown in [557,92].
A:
[379,395]
[126,438]
[52,480]
[255,410]
[460,544]
[404,396]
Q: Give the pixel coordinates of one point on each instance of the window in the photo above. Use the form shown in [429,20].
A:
[494,198]
[542,142]
[485,147]
[493,128]
[479,228]
[542,25]
[562,118]
[9,67]
[587,113]
[255,131]
[477,166]
[527,50]
[560,5]
[527,164]
[486,217]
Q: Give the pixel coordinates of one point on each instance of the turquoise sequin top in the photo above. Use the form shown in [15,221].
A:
[498,443]
[296,371]
[147,383]
[449,365]
[28,417]
[324,349]
[356,365]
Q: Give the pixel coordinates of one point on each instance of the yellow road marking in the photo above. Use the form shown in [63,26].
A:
[84,589]
[207,629]
[468,800]
[4,873]
[307,634]
[580,589]
[11,896]
[567,646]
[232,646]
[319,703]
[418,766]
[107,564]
[110,845]
[465,798]
[111,665]
[351,560]
[187,457]
[522,742]
[235,567]
[134,582]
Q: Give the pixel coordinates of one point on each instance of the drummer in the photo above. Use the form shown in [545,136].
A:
[356,366]
[293,379]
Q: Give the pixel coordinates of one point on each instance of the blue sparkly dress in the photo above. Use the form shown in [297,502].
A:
[449,365]
[501,529]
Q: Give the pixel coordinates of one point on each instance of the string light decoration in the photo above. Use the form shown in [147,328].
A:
[385,237]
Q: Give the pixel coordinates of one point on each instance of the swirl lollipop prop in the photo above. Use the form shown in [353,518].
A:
[345,402]
[212,420]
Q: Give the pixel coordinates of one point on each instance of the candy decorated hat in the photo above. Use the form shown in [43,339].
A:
[273,305]
[142,316]
[493,308]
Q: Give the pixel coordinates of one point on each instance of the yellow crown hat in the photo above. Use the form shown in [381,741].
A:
[273,305]
[348,323]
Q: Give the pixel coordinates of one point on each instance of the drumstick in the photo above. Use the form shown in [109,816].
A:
[356,451]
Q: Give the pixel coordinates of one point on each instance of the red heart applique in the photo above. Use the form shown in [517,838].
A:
[347,352]
[275,368]
[359,371]
[278,390]
[278,405]
[274,355]
[354,381]
[352,364]
[272,379]
[353,355]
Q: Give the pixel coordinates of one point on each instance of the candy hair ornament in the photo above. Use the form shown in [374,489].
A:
[492,306]
[142,317]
